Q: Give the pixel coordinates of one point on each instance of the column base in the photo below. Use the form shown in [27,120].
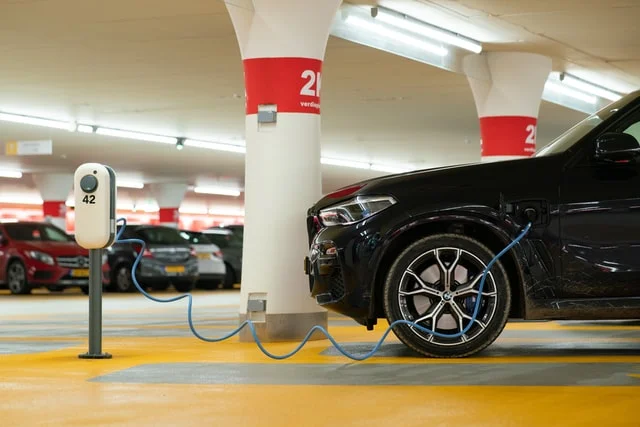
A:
[285,327]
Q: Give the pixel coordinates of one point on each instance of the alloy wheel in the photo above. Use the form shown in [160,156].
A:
[17,278]
[439,290]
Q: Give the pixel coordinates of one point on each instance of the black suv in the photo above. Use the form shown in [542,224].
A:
[168,259]
[413,246]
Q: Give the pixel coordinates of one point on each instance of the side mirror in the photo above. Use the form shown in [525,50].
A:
[615,147]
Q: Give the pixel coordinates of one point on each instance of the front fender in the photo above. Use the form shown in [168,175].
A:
[503,228]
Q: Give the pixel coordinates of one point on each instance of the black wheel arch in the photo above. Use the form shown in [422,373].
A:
[486,228]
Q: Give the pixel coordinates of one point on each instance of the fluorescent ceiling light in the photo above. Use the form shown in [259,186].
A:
[136,135]
[395,35]
[20,199]
[85,129]
[10,174]
[221,191]
[36,121]
[427,30]
[226,212]
[215,146]
[564,90]
[193,210]
[589,87]
[390,169]
[345,163]
[129,184]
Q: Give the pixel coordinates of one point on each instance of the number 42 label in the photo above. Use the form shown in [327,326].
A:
[89,199]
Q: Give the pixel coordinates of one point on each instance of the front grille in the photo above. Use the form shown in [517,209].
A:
[337,285]
[73,261]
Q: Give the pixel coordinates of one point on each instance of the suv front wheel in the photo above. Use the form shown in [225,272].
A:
[435,283]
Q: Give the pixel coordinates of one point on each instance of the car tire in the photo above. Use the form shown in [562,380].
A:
[122,279]
[229,278]
[55,288]
[184,286]
[432,283]
[17,278]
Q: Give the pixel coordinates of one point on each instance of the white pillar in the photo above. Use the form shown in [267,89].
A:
[282,43]
[507,88]
[54,190]
[169,197]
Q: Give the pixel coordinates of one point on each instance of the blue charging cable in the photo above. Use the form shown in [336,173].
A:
[249,323]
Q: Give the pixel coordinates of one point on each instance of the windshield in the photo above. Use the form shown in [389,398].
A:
[579,131]
[161,236]
[195,238]
[36,233]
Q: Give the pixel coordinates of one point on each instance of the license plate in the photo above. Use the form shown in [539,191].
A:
[204,256]
[174,269]
[84,272]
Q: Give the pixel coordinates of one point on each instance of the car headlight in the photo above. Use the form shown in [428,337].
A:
[42,257]
[355,210]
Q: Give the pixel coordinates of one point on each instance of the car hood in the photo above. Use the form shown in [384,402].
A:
[510,173]
[54,248]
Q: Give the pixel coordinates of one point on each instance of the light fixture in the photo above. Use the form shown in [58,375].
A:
[226,212]
[345,163]
[415,26]
[193,210]
[180,144]
[591,88]
[390,169]
[221,191]
[20,199]
[391,34]
[216,146]
[85,129]
[561,89]
[136,135]
[129,184]
[10,174]
[37,121]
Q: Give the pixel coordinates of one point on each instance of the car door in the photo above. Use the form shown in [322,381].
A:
[600,223]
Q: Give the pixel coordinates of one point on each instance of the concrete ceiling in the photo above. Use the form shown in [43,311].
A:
[174,68]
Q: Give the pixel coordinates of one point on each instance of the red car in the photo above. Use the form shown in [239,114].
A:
[38,254]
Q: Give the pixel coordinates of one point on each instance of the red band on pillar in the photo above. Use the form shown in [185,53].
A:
[169,215]
[508,136]
[293,84]
[54,209]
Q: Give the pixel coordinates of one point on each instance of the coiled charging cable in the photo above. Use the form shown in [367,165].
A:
[249,323]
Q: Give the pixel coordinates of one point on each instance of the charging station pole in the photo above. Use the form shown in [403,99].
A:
[95,307]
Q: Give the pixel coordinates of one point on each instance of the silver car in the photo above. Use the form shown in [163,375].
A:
[211,266]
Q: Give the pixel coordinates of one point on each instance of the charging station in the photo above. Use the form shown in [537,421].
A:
[94,189]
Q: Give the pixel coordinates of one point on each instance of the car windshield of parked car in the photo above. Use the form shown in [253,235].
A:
[36,233]
[579,131]
[161,236]
[195,238]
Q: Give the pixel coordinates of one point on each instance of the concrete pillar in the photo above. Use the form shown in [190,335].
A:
[282,43]
[54,190]
[169,197]
[507,88]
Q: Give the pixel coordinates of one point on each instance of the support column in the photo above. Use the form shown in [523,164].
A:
[282,43]
[169,197]
[507,88]
[54,190]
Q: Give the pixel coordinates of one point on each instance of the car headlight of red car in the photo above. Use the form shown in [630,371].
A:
[42,257]
[354,210]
